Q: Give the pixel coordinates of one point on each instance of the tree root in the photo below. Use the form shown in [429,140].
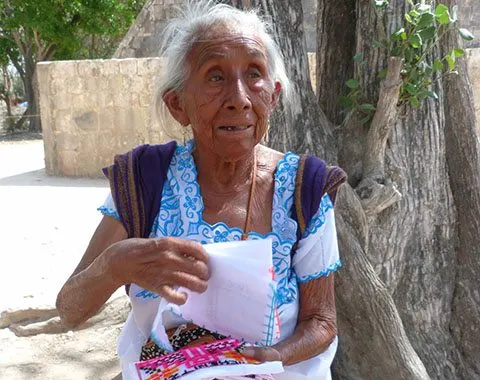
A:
[29,322]
[22,316]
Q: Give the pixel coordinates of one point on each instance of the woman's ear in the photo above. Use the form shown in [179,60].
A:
[176,107]
[276,94]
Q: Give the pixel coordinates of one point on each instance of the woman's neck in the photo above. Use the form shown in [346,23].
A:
[224,176]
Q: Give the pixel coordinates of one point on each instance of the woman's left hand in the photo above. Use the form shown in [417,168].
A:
[262,354]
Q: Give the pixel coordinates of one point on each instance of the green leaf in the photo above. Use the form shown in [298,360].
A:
[466,35]
[382,73]
[453,15]
[352,83]
[367,107]
[440,10]
[444,19]
[396,51]
[450,58]
[398,35]
[426,19]
[411,88]
[365,120]
[358,57]
[346,102]
[414,101]
[381,3]
[437,65]
[416,41]
[459,52]
[424,8]
[428,33]
[432,94]
[408,18]
[442,14]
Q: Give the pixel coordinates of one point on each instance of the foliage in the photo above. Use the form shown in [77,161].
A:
[65,25]
[37,30]
[422,32]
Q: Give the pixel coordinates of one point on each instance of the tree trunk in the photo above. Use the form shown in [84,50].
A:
[411,245]
[407,299]
[5,96]
[336,41]
[32,112]
[463,162]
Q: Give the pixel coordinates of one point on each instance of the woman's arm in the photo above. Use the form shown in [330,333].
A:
[112,260]
[316,325]
[91,283]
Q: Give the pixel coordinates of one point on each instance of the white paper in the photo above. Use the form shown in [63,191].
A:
[240,299]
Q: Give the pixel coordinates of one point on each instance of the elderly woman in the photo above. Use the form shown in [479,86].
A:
[224,76]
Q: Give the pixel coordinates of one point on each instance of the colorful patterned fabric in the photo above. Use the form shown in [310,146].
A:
[225,352]
[185,335]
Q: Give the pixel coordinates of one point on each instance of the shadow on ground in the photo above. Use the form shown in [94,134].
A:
[40,178]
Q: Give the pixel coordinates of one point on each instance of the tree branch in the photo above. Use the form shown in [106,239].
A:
[369,297]
[385,116]
[377,193]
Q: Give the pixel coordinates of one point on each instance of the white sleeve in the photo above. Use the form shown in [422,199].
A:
[108,208]
[317,253]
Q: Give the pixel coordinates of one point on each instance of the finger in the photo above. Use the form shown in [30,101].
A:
[188,281]
[172,295]
[189,265]
[262,354]
[186,247]
[193,249]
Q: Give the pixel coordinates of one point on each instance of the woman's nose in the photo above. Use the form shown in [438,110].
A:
[237,96]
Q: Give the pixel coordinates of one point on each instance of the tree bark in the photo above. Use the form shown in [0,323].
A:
[32,112]
[336,44]
[463,162]
[407,299]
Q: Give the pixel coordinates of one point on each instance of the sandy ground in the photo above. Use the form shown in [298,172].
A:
[45,226]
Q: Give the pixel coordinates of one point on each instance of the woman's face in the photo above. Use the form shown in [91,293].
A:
[228,95]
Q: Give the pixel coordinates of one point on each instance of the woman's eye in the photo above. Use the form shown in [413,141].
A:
[215,78]
[254,74]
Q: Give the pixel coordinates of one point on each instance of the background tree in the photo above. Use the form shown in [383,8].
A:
[41,30]
[407,297]
[408,220]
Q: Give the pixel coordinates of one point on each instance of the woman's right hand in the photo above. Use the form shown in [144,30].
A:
[160,265]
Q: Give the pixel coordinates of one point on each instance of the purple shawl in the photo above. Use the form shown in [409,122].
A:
[136,182]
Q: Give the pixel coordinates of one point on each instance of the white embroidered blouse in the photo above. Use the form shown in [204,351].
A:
[180,216]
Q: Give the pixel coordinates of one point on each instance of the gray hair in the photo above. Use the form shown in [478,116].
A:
[183,32]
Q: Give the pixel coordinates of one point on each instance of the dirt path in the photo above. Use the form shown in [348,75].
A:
[45,225]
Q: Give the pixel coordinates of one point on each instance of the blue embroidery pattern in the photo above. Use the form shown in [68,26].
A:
[182,207]
[109,212]
[326,272]
[318,219]
[146,294]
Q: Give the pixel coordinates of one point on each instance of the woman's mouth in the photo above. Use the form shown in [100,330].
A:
[234,128]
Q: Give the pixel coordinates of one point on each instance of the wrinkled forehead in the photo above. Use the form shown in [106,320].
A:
[220,41]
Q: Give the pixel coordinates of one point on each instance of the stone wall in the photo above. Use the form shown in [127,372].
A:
[92,110]
[473,61]
[142,40]
[469,18]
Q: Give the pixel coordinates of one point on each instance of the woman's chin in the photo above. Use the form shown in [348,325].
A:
[234,150]
[235,143]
